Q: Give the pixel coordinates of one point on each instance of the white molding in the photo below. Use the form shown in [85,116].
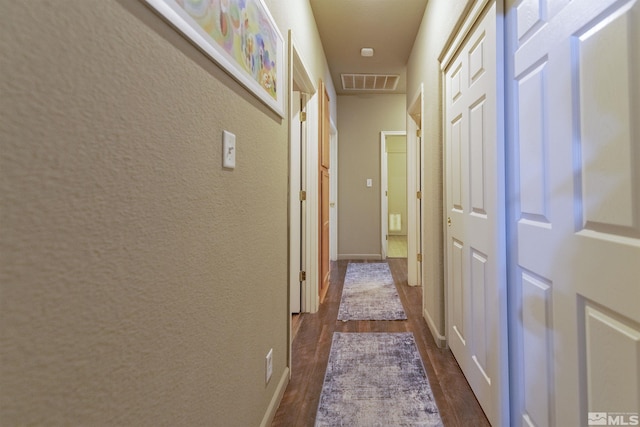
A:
[413,223]
[270,414]
[299,71]
[441,340]
[468,19]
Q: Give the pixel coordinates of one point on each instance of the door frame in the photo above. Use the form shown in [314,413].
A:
[299,223]
[415,183]
[384,184]
[297,142]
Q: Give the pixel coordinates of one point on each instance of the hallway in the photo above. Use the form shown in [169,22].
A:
[397,246]
[456,402]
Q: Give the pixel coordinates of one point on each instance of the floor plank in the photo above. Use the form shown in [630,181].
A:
[312,343]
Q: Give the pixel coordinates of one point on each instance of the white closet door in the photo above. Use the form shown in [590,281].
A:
[574,129]
[474,187]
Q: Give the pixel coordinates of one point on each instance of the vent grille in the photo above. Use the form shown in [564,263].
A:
[380,82]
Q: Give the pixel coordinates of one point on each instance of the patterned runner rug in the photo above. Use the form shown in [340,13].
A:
[370,294]
[376,379]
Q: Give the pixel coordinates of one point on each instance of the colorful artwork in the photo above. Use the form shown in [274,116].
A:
[240,35]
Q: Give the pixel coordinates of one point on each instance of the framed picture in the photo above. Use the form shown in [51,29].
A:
[240,36]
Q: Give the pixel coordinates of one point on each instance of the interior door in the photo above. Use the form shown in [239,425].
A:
[296,213]
[324,191]
[575,216]
[474,187]
[419,175]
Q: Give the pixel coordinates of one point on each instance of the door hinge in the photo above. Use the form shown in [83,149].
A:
[419,195]
[419,133]
[303,276]
[419,257]
[303,196]
[303,116]
[386,237]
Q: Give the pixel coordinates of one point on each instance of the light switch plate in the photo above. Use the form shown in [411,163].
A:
[369,182]
[228,150]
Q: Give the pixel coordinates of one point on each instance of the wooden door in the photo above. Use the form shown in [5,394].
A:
[575,217]
[324,156]
[474,164]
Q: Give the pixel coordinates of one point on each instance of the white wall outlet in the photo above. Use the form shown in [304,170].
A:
[269,366]
[228,150]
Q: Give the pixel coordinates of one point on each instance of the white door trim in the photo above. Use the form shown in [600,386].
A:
[384,200]
[415,166]
[296,207]
[299,81]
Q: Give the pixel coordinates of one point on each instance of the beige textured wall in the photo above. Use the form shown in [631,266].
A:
[141,284]
[360,121]
[440,19]
[397,179]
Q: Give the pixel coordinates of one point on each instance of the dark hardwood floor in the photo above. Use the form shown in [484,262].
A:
[458,406]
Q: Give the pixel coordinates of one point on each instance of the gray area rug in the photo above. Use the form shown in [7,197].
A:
[370,294]
[376,379]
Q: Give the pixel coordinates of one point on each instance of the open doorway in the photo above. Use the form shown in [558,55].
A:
[393,155]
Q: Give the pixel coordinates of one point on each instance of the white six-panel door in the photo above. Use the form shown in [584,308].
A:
[574,131]
[474,205]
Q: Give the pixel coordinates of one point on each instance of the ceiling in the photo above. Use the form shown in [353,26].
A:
[387,26]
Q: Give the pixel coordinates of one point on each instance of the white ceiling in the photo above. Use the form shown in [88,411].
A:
[387,26]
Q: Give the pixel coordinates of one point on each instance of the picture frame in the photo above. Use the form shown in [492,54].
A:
[240,36]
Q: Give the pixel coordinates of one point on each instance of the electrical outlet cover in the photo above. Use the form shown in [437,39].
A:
[228,150]
[269,365]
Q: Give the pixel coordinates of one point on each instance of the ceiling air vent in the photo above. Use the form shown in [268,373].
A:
[369,81]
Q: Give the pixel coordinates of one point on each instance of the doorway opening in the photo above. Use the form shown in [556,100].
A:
[393,155]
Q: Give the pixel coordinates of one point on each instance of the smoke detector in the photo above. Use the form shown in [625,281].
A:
[366,51]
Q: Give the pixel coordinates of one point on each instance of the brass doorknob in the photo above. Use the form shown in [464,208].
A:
[449,221]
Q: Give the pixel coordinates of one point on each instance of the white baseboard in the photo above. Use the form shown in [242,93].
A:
[441,340]
[376,257]
[267,420]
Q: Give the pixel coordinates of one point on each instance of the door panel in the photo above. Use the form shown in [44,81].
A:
[476,274]
[576,212]
[458,293]
[538,324]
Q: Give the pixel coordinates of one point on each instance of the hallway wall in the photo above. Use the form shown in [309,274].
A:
[440,19]
[361,118]
[141,284]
